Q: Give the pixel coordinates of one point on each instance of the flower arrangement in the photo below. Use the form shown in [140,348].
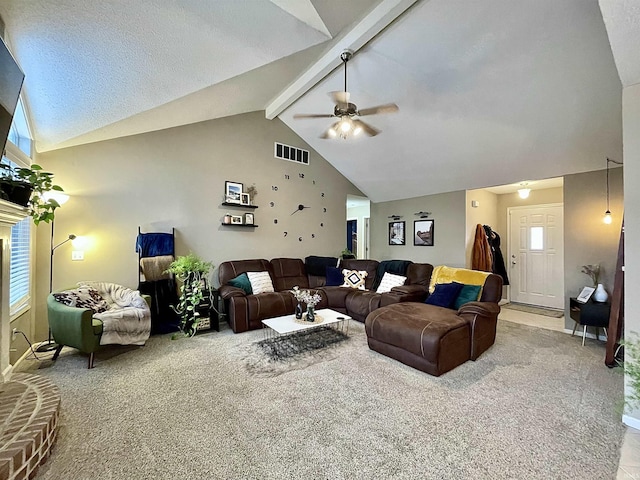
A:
[306,296]
[593,271]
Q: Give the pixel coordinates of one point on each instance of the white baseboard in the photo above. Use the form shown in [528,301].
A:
[22,357]
[589,335]
[631,422]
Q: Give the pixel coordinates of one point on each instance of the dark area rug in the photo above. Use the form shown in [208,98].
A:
[277,355]
[547,312]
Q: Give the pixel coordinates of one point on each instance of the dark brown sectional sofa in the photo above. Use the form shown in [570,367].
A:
[246,312]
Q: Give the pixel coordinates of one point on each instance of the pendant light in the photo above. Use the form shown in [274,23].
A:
[607,215]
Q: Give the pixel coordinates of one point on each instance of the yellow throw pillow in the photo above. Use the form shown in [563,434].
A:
[444,274]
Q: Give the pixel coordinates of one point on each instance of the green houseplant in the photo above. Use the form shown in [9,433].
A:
[26,187]
[192,272]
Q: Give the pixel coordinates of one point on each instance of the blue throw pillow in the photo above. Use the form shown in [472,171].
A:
[334,277]
[469,293]
[241,281]
[445,294]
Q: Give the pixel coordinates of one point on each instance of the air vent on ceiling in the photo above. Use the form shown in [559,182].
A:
[293,154]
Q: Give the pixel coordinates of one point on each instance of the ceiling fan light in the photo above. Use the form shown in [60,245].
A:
[332,132]
[357,130]
[345,125]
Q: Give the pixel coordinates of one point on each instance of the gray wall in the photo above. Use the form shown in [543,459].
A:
[448,211]
[176,178]
[587,240]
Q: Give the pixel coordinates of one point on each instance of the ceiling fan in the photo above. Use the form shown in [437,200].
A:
[347,113]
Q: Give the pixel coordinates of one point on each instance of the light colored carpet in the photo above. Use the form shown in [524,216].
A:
[537,405]
[547,312]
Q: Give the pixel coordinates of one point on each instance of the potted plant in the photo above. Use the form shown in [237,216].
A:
[26,187]
[346,253]
[192,272]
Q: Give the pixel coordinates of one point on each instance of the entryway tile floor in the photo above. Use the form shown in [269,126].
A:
[629,466]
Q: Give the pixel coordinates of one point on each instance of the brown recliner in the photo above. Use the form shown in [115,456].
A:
[436,339]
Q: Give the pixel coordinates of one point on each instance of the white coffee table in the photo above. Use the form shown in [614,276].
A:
[286,324]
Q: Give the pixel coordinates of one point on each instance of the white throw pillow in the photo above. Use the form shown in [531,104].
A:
[354,278]
[389,280]
[260,282]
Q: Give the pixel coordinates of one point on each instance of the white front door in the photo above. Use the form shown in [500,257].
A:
[536,255]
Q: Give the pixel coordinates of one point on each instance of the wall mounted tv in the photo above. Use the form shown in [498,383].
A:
[11,78]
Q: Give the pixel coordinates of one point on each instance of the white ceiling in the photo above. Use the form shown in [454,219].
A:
[492,92]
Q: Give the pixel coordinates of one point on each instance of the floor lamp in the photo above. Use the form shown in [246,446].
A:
[60,198]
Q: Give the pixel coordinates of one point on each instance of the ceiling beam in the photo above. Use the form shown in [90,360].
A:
[353,39]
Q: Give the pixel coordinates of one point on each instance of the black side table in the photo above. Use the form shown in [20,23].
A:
[590,314]
[211,310]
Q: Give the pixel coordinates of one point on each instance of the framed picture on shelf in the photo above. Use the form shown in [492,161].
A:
[232,192]
[423,232]
[245,199]
[585,294]
[236,220]
[248,218]
[396,233]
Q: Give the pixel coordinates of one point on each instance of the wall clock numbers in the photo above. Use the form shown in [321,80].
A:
[274,188]
[322,194]
[299,239]
[286,233]
[301,175]
[286,177]
[275,220]
[272,204]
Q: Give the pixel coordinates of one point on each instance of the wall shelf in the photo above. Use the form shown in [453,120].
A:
[239,205]
[238,225]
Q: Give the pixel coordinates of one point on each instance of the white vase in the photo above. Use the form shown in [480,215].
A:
[600,295]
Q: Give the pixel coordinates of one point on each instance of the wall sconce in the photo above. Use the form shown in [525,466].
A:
[524,191]
[607,215]
[422,214]
[395,217]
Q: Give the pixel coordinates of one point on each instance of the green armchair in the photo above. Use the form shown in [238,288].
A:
[76,327]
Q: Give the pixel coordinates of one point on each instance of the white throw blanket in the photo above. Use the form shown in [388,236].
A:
[128,319]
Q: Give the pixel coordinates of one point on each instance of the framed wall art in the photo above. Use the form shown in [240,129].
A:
[396,233]
[248,218]
[245,199]
[232,192]
[585,294]
[236,220]
[423,233]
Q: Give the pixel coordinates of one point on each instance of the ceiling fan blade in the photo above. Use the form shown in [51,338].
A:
[387,108]
[313,115]
[340,97]
[368,129]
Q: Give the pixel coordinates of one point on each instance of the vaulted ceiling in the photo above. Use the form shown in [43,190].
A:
[490,92]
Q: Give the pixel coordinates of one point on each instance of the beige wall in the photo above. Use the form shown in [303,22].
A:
[175,178]
[448,211]
[536,197]
[631,142]
[587,239]
[486,213]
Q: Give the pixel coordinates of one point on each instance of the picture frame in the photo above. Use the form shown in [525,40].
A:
[423,231]
[248,218]
[245,199]
[236,220]
[585,294]
[397,233]
[233,192]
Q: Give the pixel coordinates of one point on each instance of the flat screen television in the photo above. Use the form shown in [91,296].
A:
[11,78]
